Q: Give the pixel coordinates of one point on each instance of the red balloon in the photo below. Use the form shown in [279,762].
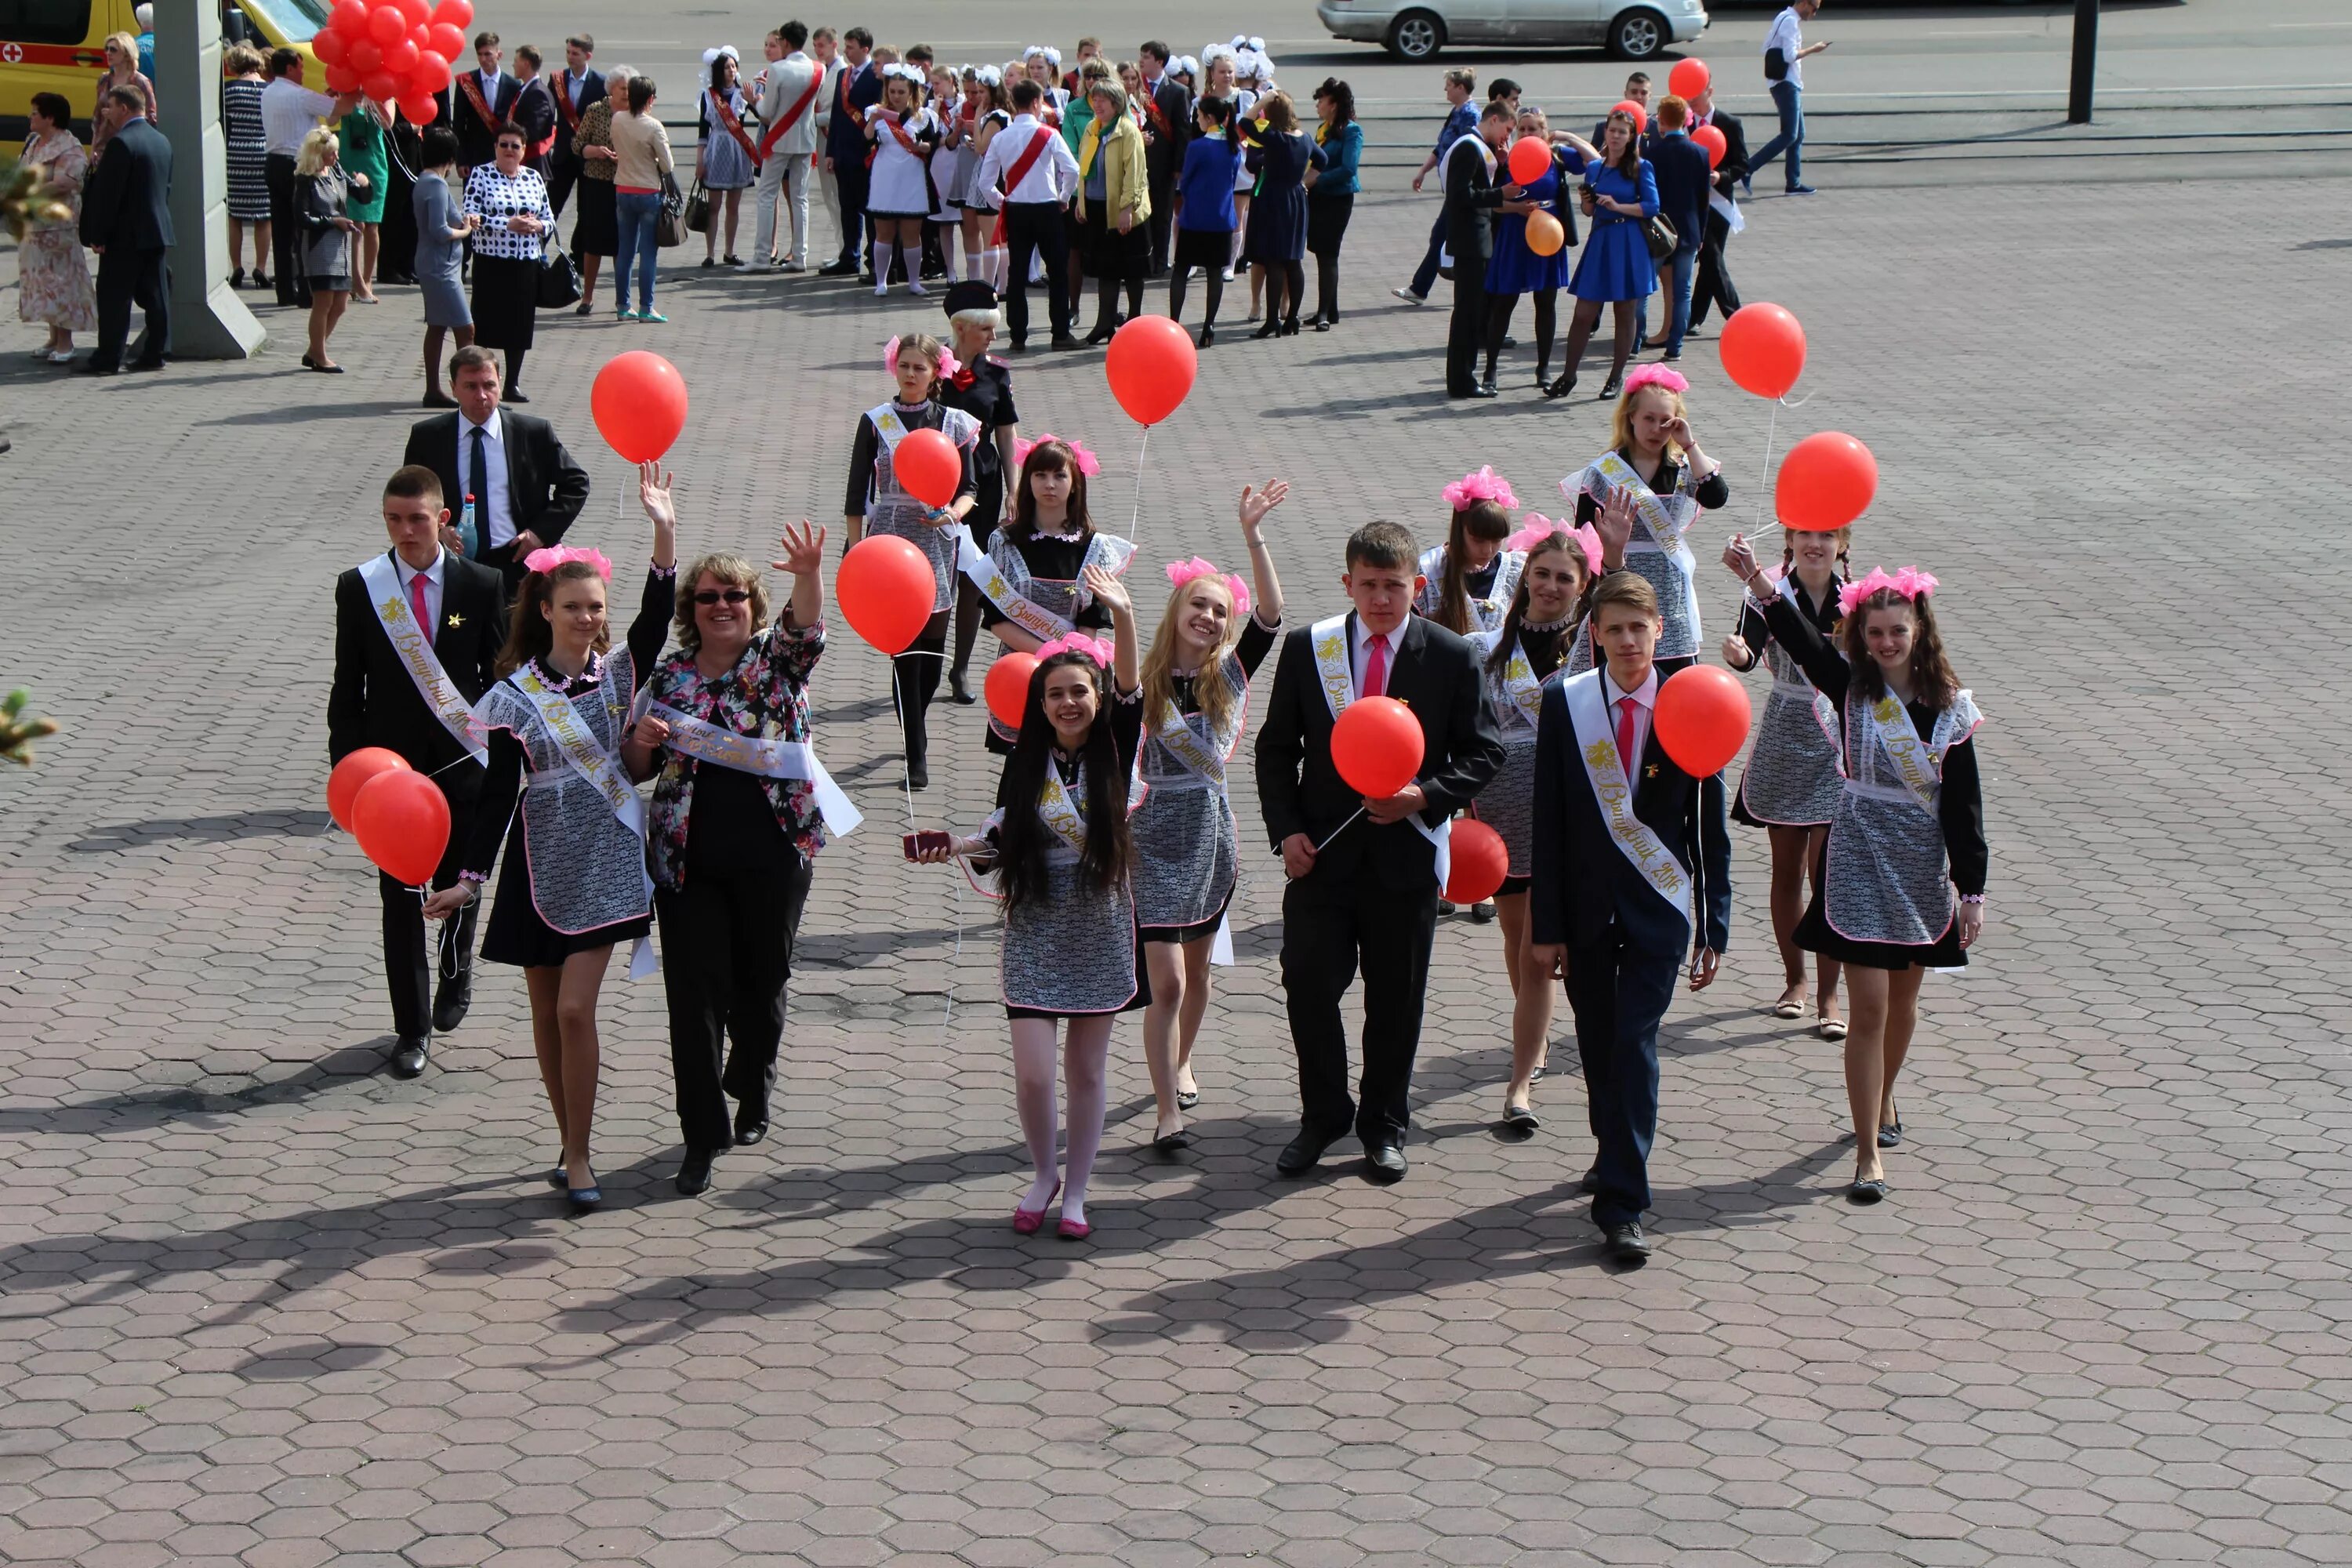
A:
[353,773]
[342,79]
[1480,862]
[1712,139]
[638,401]
[1763,349]
[1530,161]
[885,589]
[1152,365]
[382,86]
[456,13]
[428,76]
[402,821]
[414,13]
[928,466]
[365,56]
[349,18]
[1688,79]
[386,24]
[420,109]
[1008,687]
[1641,115]
[400,57]
[447,41]
[331,46]
[1701,717]
[1377,746]
[1826,481]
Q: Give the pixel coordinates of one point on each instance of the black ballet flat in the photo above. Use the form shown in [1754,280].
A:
[1864,1193]
[1172,1143]
[1519,1121]
[1563,386]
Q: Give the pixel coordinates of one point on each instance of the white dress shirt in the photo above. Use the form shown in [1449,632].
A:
[493,513]
[1646,699]
[432,575]
[1785,37]
[289,112]
[1361,651]
[1054,177]
[574,86]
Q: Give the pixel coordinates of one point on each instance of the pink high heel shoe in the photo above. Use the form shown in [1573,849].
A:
[1027,1221]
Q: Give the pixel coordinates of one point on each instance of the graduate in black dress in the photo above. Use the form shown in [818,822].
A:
[980,386]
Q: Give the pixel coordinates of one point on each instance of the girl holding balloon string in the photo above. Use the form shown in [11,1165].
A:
[877,499]
[1792,784]
[1654,460]
[1059,848]
[1517,267]
[1899,886]
[1211,641]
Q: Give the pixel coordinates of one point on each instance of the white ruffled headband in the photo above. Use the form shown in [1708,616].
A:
[1909,582]
[712,57]
[947,362]
[1182,572]
[904,72]
[1051,55]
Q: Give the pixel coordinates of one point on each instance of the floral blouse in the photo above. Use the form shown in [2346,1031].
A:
[764,695]
[499,198]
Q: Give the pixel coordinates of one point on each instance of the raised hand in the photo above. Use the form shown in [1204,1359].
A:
[1615,524]
[653,494]
[803,550]
[1256,502]
[1678,431]
[1108,591]
[1740,557]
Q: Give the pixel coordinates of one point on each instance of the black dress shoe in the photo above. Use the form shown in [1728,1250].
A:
[408,1055]
[750,1123]
[513,395]
[1019,345]
[147,364]
[439,400]
[92,367]
[457,995]
[1065,341]
[1301,1154]
[694,1174]
[839,267]
[1591,1183]
[1384,1162]
[1484,389]
[1625,1243]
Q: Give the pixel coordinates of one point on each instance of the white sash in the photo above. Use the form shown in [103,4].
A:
[1106,551]
[602,770]
[1519,682]
[1446,255]
[773,759]
[1061,819]
[1635,838]
[1186,745]
[414,643]
[1919,764]
[1336,667]
[890,426]
[1489,611]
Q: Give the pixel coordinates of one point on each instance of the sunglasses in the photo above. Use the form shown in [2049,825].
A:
[723,596]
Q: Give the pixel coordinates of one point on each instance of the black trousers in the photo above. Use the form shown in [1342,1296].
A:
[409,970]
[1619,993]
[1030,228]
[126,277]
[1713,281]
[1468,332]
[727,958]
[1330,922]
[563,174]
[1162,187]
[850,183]
[915,680]
[285,237]
[1327,226]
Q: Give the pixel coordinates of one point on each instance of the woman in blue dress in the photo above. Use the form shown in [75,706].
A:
[1516,270]
[1276,234]
[1616,268]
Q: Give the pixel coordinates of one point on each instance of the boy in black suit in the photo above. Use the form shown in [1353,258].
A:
[1679,166]
[1715,285]
[1617,848]
[125,220]
[411,695]
[1366,891]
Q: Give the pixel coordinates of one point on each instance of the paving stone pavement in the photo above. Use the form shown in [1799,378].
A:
[267,1306]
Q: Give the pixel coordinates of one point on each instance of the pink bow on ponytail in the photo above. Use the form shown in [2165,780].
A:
[1182,572]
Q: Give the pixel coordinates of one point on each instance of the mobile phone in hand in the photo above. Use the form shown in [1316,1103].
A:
[916,844]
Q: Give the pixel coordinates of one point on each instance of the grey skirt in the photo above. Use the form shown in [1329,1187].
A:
[444,302]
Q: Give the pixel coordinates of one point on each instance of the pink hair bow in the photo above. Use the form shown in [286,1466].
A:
[1095,648]
[1088,464]
[1656,375]
[1540,528]
[549,557]
[948,363]
[1182,572]
[1484,485]
[1909,582]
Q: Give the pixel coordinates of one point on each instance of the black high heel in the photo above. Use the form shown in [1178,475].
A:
[1610,389]
[957,692]
[1563,386]
[1273,327]
[1290,326]
[1208,337]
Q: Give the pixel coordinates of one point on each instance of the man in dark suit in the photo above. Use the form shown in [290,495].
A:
[1714,284]
[1617,848]
[580,85]
[1679,166]
[1364,893]
[477,102]
[857,89]
[1167,128]
[524,486]
[125,219]
[534,110]
[383,673]
[1473,192]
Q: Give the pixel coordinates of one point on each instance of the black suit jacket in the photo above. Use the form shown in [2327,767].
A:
[373,703]
[1435,673]
[477,142]
[126,204]
[846,136]
[592,91]
[1471,197]
[545,486]
[1734,167]
[1679,166]
[1163,151]
[1583,883]
[534,111]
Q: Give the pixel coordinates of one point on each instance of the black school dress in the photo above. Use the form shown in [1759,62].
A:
[984,391]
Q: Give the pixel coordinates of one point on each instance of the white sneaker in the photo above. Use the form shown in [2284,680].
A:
[1409,297]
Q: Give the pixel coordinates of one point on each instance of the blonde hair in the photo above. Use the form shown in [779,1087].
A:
[1621,421]
[1211,689]
[128,43]
[733,572]
[312,158]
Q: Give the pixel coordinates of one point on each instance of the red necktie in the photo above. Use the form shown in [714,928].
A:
[417,598]
[1625,735]
[1376,666]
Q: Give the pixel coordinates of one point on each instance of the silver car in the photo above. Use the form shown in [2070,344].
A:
[1417,29]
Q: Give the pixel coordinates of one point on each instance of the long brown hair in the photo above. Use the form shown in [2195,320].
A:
[1486,519]
[530,634]
[1933,681]
[1056,457]
[1628,162]
[1563,543]
[1024,841]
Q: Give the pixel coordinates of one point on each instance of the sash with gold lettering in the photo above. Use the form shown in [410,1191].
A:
[1635,838]
[988,575]
[1486,615]
[1660,524]
[1918,765]
[1335,667]
[588,758]
[1189,746]
[414,643]
[769,758]
[1519,683]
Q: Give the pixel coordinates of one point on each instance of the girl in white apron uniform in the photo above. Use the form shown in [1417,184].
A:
[876,501]
[1468,581]
[905,136]
[1654,459]
[1033,578]
[1187,848]
[1517,659]
[1900,887]
[575,881]
[1059,851]
[1792,786]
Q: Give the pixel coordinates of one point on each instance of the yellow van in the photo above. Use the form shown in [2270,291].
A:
[59,46]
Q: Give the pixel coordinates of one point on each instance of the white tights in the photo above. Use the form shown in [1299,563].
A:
[1086,1060]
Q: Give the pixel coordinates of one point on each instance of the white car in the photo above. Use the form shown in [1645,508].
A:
[1417,29]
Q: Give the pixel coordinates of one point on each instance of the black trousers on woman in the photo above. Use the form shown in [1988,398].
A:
[727,958]
[1327,226]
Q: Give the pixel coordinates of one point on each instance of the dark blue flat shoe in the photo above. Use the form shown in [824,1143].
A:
[1864,1193]
[1891,1135]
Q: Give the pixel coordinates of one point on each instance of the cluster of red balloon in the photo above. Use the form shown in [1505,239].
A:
[399,815]
[396,51]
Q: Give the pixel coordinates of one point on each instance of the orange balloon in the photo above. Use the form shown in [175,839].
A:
[1377,746]
[639,403]
[927,466]
[885,589]
[1152,365]
[1701,717]
[351,775]
[1826,481]
[1641,115]
[1545,236]
[1763,349]
[402,821]
[1688,79]
[1007,687]
[1480,862]
[1716,143]
[1530,159]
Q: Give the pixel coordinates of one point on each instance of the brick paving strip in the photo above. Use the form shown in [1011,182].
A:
[265,1305]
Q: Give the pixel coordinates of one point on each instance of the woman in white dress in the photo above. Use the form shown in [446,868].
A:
[905,136]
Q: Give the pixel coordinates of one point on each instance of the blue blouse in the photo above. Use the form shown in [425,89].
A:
[1211,165]
[1606,179]
[1343,151]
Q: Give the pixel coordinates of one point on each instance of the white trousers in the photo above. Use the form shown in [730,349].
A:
[783,177]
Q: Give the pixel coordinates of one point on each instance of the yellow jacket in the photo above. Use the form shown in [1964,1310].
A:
[1124,183]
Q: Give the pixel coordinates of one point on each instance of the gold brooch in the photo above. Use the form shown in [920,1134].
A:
[1651,771]
[457,620]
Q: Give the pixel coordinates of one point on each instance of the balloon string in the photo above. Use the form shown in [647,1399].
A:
[1137,512]
[1764,481]
[1338,830]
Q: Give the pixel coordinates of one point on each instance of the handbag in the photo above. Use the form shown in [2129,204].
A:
[558,284]
[1662,237]
[669,224]
[697,210]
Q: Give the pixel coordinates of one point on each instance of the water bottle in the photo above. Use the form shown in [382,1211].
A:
[470,542]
